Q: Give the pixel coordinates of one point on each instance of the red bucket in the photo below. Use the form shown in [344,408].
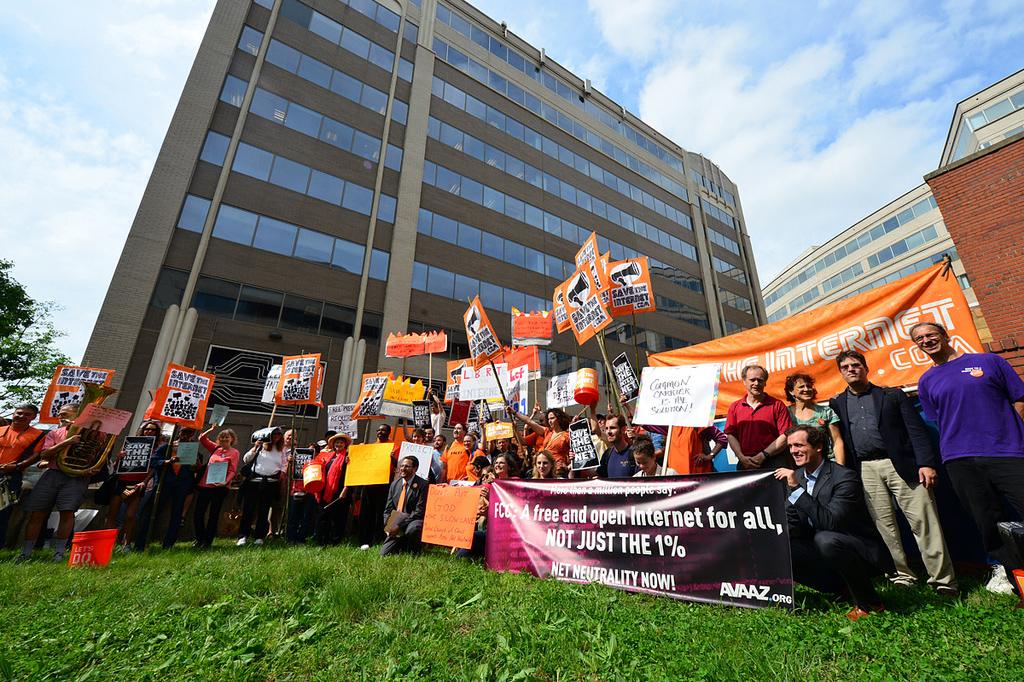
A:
[92,547]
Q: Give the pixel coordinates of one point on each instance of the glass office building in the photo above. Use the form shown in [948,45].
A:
[349,168]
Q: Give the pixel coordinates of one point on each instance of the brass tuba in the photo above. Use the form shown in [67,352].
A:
[93,447]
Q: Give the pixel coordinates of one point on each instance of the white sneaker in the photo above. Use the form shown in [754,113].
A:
[258,541]
[364,548]
[240,542]
[998,582]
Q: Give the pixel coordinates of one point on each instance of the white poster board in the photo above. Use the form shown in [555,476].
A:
[423,453]
[339,419]
[480,384]
[560,390]
[678,396]
[270,385]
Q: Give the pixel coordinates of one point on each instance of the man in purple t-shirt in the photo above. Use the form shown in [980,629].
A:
[978,402]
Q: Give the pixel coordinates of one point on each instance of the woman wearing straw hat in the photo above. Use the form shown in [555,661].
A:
[334,499]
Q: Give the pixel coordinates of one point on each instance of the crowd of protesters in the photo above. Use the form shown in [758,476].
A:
[848,464]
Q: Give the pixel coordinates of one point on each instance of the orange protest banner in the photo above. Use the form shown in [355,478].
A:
[525,355]
[182,397]
[876,323]
[66,388]
[559,311]
[590,256]
[299,383]
[450,518]
[630,289]
[369,464]
[483,342]
[531,329]
[409,345]
[587,314]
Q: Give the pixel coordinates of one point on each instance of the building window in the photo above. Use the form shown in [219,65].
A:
[259,306]
[215,297]
[301,314]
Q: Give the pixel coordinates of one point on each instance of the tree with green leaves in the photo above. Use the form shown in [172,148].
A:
[28,351]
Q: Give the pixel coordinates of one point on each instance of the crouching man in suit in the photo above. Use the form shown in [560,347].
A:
[834,544]
[405,509]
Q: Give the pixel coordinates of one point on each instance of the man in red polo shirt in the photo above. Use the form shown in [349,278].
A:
[757,423]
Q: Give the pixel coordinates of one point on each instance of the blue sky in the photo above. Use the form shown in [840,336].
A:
[820,113]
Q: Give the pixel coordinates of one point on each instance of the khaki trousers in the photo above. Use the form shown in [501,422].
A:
[881,485]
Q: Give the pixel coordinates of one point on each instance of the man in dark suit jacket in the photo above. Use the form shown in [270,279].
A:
[408,497]
[832,541]
[887,443]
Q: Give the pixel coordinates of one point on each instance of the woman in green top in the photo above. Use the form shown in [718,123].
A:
[805,412]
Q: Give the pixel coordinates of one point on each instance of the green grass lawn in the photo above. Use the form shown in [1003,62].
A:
[340,614]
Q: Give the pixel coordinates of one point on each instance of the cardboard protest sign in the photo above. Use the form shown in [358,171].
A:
[421,413]
[459,413]
[531,329]
[217,473]
[630,287]
[410,345]
[138,450]
[453,377]
[499,431]
[299,380]
[587,315]
[188,453]
[524,355]
[182,397]
[560,390]
[678,396]
[482,383]
[558,310]
[518,389]
[625,377]
[339,419]
[218,414]
[483,341]
[450,517]
[584,454]
[103,419]
[424,455]
[399,395]
[589,256]
[270,384]
[300,459]
[371,397]
[66,389]
[369,464]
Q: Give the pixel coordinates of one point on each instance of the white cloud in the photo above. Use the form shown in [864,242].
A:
[79,131]
[636,28]
[818,128]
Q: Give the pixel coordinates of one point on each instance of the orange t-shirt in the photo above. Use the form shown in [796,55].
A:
[557,444]
[456,459]
[470,474]
[14,443]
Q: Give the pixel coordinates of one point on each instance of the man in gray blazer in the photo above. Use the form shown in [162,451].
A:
[405,509]
[833,543]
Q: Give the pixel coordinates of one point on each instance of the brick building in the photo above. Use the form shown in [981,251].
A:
[981,197]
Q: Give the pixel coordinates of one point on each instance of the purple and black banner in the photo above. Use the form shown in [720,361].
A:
[718,538]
